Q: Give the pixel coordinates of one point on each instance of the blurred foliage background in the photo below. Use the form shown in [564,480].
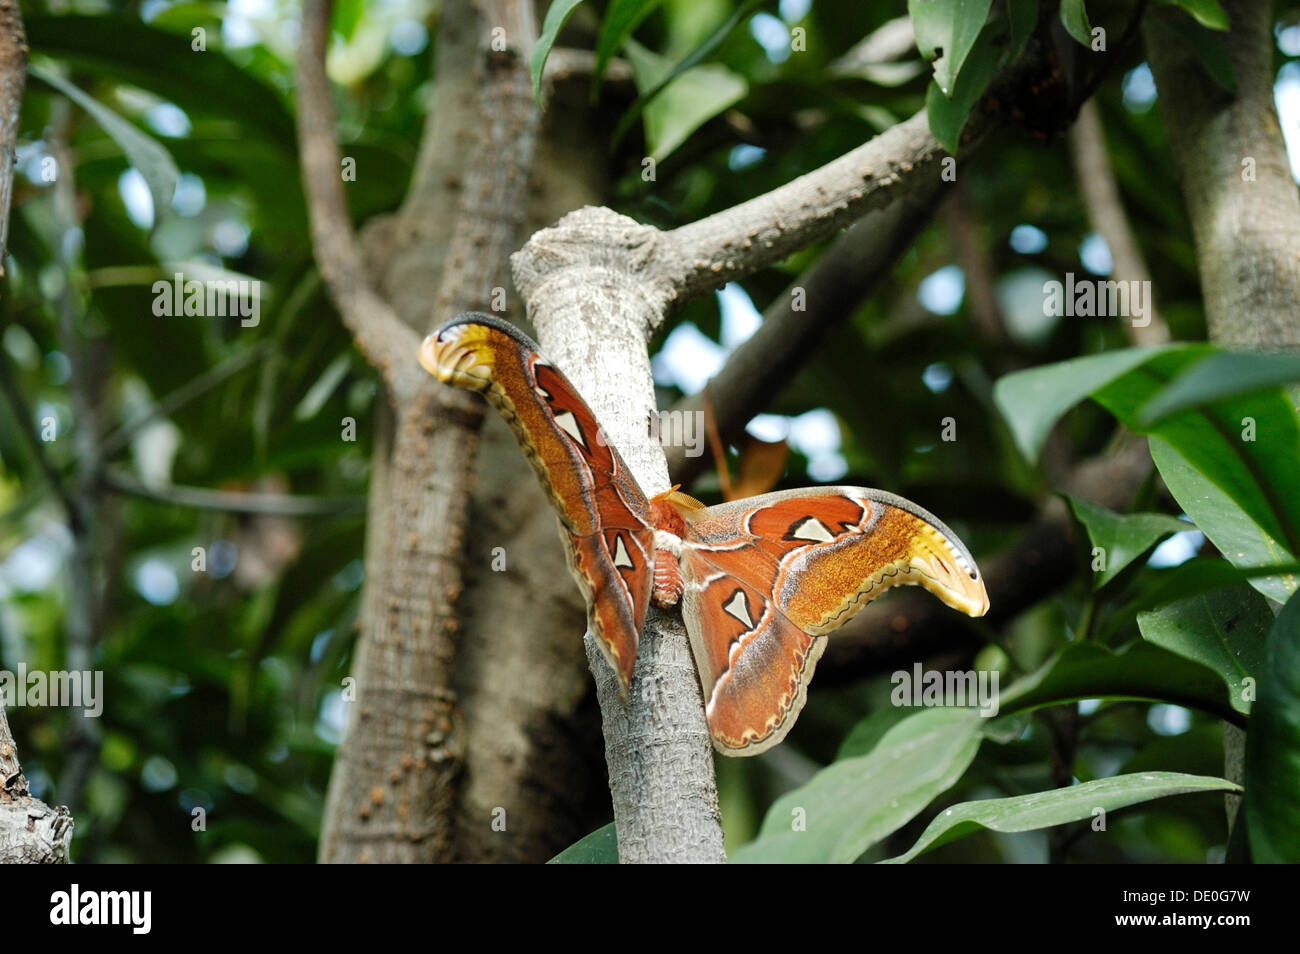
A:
[223,684]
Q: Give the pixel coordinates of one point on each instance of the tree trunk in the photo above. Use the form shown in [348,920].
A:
[30,831]
[393,788]
[534,780]
[1232,165]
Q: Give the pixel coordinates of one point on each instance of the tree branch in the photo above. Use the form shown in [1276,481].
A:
[387,343]
[1101,198]
[591,315]
[707,254]
[405,732]
[30,831]
[234,501]
[833,288]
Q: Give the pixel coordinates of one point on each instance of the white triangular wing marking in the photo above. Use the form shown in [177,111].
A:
[812,529]
[737,608]
[621,557]
[569,424]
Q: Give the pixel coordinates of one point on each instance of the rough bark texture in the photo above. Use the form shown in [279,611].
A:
[709,253]
[1233,169]
[30,831]
[532,726]
[393,789]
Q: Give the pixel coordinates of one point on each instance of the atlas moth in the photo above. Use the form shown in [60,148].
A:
[760,581]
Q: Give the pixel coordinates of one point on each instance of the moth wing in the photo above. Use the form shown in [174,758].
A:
[603,514]
[804,563]
[754,663]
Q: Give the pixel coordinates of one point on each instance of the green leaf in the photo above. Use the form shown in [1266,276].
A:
[621,19]
[1228,464]
[144,152]
[1122,537]
[1033,400]
[203,83]
[1244,527]
[686,103]
[1230,467]
[862,738]
[346,16]
[1208,13]
[948,113]
[946,118]
[1224,629]
[1075,18]
[1273,746]
[1058,806]
[1156,588]
[1140,670]
[598,848]
[949,29]
[654,77]
[850,805]
[1022,15]
[1219,376]
[325,386]
[556,16]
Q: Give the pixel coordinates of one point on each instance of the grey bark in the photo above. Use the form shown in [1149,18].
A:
[393,789]
[1236,180]
[30,831]
[533,781]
